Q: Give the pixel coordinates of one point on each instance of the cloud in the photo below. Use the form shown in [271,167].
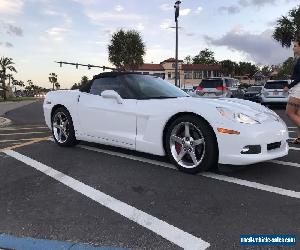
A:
[258,3]
[6,45]
[10,29]
[67,19]
[198,10]
[11,6]
[261,48]
[166,7]
[234,9]
[111,16]
[57,33]
[140,26]
[119,8]
[184,12]
[230,10]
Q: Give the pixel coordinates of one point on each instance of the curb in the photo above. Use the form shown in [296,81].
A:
[4,122]
[10,242]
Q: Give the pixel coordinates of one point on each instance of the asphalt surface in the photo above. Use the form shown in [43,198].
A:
[33,204]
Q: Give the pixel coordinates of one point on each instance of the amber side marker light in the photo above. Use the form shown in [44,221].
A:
[228,131]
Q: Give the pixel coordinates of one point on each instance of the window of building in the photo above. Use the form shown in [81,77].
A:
[145,73]
[169,75]
[188,75]
[197,74]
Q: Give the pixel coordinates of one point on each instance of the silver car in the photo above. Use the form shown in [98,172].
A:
[272,92]
[216,87]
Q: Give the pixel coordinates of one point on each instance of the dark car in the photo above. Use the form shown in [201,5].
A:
[253,93]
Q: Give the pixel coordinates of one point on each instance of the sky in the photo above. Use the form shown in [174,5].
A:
[36,33]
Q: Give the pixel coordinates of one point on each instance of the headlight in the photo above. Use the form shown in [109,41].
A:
[238,117]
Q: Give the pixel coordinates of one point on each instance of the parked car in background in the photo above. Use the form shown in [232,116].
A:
[216,87]
[272,92]
[188,90]
[253,93]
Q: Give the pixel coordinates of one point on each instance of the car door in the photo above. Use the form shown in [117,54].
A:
[105,120]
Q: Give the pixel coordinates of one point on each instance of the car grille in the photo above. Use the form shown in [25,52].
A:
[273,145]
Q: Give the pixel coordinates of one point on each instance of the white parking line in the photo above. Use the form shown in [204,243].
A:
[26,133]
[287,163]
[11,128]
[292,127]
[293,148]
[241,182]
[162,228]
[2,141]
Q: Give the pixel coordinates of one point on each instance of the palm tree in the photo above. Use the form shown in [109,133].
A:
[53,79]
[288,28]
[5,64]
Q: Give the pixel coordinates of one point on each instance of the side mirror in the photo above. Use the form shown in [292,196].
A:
[112,95]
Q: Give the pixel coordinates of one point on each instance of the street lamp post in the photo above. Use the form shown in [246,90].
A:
[176,6]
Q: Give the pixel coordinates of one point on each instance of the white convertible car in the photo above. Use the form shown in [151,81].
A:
[148,114]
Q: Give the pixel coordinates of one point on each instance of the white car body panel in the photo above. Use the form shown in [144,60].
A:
[139,124]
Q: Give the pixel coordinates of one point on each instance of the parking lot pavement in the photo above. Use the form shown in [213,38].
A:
[114,197]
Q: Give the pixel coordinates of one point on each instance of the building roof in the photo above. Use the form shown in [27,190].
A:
[150,67]
[170,60]
[201,67]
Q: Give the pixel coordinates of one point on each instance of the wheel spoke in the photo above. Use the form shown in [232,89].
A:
[176,139]
[181,154]
[187,130]
[65,123]
[64,133]
[193,156]
[198,142]
[55,125]
[59,118]
[59,135]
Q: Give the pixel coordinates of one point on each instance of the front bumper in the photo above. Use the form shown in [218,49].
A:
[274,99]
[231,146]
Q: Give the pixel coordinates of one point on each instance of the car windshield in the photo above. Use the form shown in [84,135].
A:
[151,87]
[275,85]
[257,89]
[211,83]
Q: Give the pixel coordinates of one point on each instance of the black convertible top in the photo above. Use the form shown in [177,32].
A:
[87,87]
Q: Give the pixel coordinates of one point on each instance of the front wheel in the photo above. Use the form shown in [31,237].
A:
[191,145]
[62,128]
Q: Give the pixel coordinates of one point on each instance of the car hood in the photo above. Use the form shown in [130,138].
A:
[255,110]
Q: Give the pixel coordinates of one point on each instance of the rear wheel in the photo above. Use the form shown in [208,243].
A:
[62,128]
[191,145]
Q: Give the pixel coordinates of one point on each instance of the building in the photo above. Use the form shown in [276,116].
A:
[190,74]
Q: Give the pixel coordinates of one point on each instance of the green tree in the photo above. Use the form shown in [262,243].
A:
[188,59]
[53,79]
[84,80]
[5,65]
[205,56]
[126,50]
[285,69]
[246,68]
[287,27]
[228,67]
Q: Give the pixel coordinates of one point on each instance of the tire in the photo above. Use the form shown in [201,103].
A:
[194,149]
[62,128]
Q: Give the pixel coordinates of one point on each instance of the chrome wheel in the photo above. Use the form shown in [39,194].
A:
[187,145]
[60,127]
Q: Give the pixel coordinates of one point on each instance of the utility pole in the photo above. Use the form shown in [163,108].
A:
[176,6]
